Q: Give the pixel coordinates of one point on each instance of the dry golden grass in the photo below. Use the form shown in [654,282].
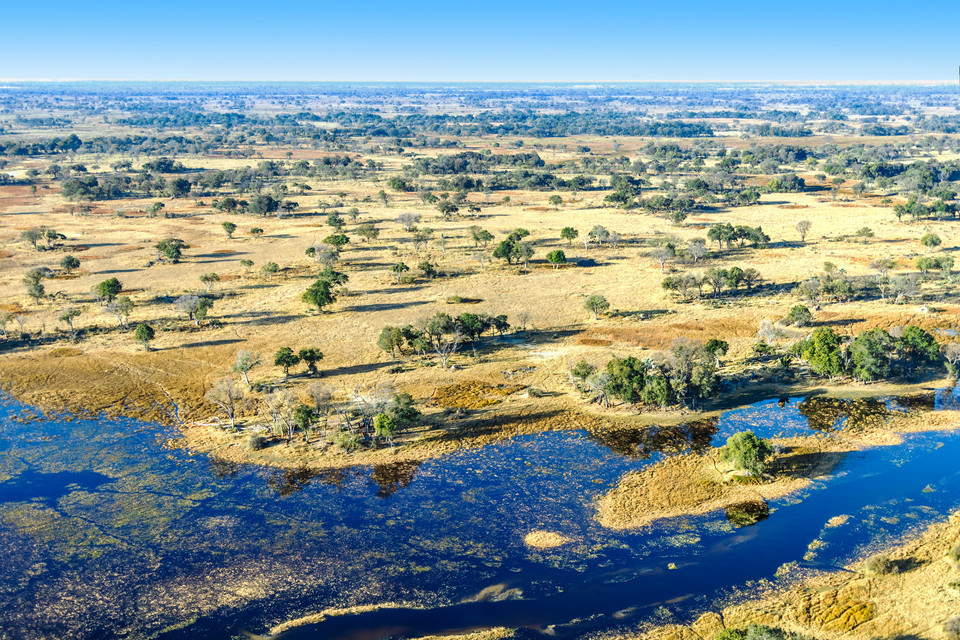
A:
[263,313]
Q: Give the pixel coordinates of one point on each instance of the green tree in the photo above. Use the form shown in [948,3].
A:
[596,304]
[555,201]
[69,263]
[391,340]
[286,358]
[336,240]
[229,228]
[399,269]
[870,355]
[109,289]
[311,356]
[556,258]
[569,234]
[747,452]
[385,426]
[304,416]
[171,249]
[824,353]
[931,241]
[144,334]
[320,293]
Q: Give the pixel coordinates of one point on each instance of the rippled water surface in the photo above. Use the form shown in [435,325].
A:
[108,533]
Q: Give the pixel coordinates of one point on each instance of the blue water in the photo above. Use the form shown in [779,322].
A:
[117,535]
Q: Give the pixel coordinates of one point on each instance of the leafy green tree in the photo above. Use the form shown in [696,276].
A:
[870,355]
[596,304]
[336,240]
[555,201]
[334,220]
[717,348]
[69,263]
[144,334]
[256,232]
[582,370]
[270,269]
[320,293]
[569,234]
[556,258]
[823,351]
[262,204]
[171,249]
[399,269]
[109,289]
[747,452]
[311,356]
[919,346]
[229,228]
[286,358]
[179,188]
[385,426]
[391,340]
[304,417]
[931,241]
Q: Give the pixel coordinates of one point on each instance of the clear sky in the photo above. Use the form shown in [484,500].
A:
[498,40]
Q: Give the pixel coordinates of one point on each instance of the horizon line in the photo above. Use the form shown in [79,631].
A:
[521,82]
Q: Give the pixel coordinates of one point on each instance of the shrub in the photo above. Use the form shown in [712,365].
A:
[954,553]
[347,440]
[880,565]
[799,316]
[256,442]
[951,628]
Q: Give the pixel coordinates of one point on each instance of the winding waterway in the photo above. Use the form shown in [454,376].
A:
[110,533]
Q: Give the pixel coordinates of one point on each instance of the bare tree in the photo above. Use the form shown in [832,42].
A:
[246,360]
[226,395]
[447,345]
[322,397]
[697,250]
[661,255]
[614,239]
[408,220]
[803,227]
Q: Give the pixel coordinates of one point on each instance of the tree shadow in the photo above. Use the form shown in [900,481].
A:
[385,306]
[211,343]
[358,368]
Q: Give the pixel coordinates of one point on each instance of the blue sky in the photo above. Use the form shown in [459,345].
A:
[811,41]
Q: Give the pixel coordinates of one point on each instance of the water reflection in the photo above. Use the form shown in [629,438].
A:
[644,443]
[389,478]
